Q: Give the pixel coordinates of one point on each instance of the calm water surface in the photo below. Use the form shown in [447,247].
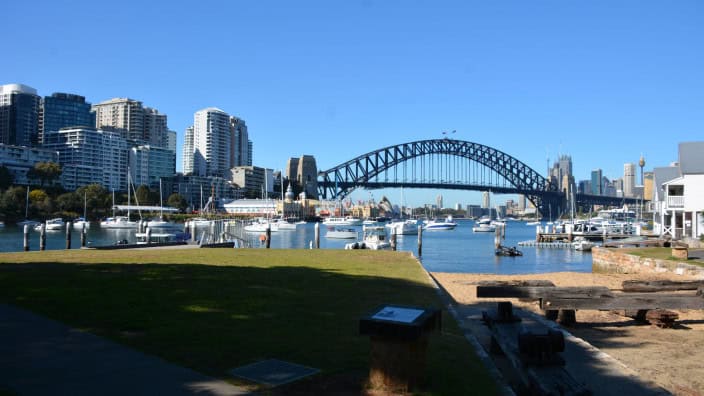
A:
[459,250]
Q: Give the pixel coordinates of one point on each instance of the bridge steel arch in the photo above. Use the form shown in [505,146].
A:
[340,181]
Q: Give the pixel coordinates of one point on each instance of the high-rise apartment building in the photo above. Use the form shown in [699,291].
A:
[149,164]
[629,179]
[171,140]
[62,110]
[596,184]
[20,159]
[239,153]
[215,143]
[188,151]
[211,142]
[90,156]
[438,201]
[133,121]
[19,115]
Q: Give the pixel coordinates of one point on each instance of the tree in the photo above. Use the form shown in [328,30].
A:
[12,203]
[142,195]
[69,203]
[177,200]
[6,178]
[40,201]
[45,172]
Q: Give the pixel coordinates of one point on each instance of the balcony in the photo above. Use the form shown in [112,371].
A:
[676,201]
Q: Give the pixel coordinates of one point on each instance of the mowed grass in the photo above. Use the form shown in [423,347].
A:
[216,309]
[665,253]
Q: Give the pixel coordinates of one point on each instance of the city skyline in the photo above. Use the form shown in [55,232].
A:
[601,83]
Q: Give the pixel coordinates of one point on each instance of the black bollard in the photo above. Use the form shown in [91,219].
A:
[393,239]
[268,236]
[420,241]
[83,235]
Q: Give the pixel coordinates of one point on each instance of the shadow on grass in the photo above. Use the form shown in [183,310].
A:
[215,318]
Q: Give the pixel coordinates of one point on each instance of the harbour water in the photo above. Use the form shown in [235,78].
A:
[458,250]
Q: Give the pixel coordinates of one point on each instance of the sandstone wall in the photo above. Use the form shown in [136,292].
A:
[612,260]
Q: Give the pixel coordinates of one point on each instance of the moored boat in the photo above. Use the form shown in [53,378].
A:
[484,225]
[341,233]
[404,227]
[118,222]
[373,238]
[435,224]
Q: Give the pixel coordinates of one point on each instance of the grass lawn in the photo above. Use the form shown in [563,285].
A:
[665,253]
[216,309]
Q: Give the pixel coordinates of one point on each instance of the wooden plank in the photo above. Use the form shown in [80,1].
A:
[577,292]
[542,379]
[625,301]
[513,289]
[660,285]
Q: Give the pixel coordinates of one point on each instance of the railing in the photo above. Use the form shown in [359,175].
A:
[675,201]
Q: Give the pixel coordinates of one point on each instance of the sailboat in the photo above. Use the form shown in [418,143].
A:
[27,221]
[120,222]
[81,222]
[160,223]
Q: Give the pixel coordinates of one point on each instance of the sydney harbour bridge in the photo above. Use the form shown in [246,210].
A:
[452,165]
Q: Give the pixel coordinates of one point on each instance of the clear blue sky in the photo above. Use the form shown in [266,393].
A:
[602,81]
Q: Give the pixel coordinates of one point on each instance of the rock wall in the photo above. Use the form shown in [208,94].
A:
[614,261]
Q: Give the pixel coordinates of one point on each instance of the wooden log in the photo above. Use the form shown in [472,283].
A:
[567,317]
[625,301]
[660,285]
[551,379]
[513,289]
[577,292]
[662,318]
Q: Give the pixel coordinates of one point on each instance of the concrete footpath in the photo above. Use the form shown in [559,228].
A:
[39,356]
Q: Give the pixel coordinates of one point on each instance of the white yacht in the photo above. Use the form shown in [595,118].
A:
[56,224]
[484,225]
[161,224]
[374,238]
[435,224]
[404,227]
[118,222]
[341,233]
[261,225]
[80,222]
[343,221]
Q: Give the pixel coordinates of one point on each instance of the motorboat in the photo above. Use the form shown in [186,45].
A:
[81,222]
[343,221]
[582,244]
[261,225]
[403,227]
[31,223]
[435,224]
[341,233]
[533,223]
[198,222]
[56,224]
[373,238]
[144,238]
[484,225]
[286,224]
[161,224]
[118,222]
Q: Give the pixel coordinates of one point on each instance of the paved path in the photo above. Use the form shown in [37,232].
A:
[39,356]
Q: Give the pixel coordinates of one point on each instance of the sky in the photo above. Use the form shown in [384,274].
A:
[602,81]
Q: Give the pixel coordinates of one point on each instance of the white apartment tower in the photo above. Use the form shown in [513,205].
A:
[212,140]
[629,179]
[216,143]
[188,151]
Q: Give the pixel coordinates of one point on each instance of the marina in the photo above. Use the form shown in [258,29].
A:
[460,250]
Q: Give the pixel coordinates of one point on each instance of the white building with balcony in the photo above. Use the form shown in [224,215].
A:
[679,200]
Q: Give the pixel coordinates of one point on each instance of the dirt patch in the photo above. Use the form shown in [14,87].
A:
[670,357]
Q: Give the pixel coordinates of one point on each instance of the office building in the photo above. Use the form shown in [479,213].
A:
[63,110]
[486,200]
[438,201]
[596,183]
[239,153]
[19,115]
[629,179]
[201,191]
[255,181]
[171,141]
